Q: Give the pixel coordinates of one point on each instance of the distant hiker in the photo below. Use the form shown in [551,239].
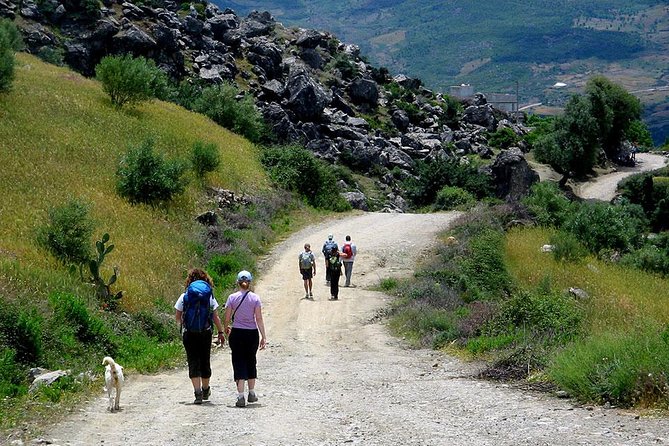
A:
[328,248]
[243,319]
[348,252]
[195,312]
[334,266]
[307,264]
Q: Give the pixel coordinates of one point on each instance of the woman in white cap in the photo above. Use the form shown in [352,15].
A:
[243,320]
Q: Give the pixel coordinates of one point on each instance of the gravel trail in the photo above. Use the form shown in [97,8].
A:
[332,375]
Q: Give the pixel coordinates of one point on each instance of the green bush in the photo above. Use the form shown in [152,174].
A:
[543,314]
[10,41]
[566,247]
[67,232]
[623,369]
[450,197]
[12,375]
[223,268]
[601,226]
[548,205]
[73,313]
[296,169]
[221,104]
[144,176]
[484,273]
[54,56]
[205,158]
[503,138]
[21,329]
[652,257]
[129,80]
[432,176]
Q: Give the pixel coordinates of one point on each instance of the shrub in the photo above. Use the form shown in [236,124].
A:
[485,275]
[545,314]
[450,197]
[223,268]
[67,233]
[11,375]
[601,226]
[54,56]
[221,104]
[22,331]
[204,158]
[144,176]
[432,176]
[503,138]
[296,169]
[623,369]
[549,206]
[72,312]
[129,80]
[10,41]
[566,247]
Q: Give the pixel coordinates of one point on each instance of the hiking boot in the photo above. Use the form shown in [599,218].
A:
[206,393]
[241,402]
[311,295]
[306,296]
[198,397]
[252,397]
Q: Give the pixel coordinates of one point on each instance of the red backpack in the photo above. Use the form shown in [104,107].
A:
[347,251]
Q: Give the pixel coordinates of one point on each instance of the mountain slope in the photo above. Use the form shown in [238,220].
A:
[60,138]
[494,45]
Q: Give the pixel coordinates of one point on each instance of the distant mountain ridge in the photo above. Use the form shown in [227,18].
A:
[498,45]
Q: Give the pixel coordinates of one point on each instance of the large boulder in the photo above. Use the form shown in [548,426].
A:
[267,56]
[482,115]
[512,176]
[307,97]
[364,91]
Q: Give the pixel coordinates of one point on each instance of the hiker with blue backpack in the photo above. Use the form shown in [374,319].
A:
[328,248]
[307,264]
[243,319]
[196,313]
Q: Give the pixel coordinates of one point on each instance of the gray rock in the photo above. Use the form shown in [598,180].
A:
[364,91]
[579,293]
[307,97]
[47,379]
[512,176]
[357,200]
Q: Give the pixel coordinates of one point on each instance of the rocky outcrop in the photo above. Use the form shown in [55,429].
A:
[310,87]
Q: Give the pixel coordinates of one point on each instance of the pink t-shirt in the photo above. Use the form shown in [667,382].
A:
[245,315]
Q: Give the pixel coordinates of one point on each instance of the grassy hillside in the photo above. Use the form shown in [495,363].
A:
[493,45]
[60,138]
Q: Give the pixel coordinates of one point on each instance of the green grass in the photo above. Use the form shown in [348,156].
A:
[60,137]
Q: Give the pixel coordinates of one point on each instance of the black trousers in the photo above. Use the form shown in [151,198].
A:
[334,282]
[198,353]
[244,346]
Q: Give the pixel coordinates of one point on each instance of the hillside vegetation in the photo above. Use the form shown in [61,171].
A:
[61,139]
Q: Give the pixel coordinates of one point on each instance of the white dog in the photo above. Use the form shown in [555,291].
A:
[113,381]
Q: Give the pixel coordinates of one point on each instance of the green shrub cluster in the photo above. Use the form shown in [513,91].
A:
[144,176]
[432,176]
[503,138]
[650,190]
[205,158]
[296,169]
[548,204]
[129,80]
[450,197]
[67,232]
[221,104]
[10,41]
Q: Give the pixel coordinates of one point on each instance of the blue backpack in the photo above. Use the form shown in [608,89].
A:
[197,316]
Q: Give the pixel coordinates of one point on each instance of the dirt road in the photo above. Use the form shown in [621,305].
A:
[604,187]
[331,376]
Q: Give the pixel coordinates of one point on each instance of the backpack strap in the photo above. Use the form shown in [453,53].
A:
[232,319]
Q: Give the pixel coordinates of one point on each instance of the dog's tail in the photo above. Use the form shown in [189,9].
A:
[108,360]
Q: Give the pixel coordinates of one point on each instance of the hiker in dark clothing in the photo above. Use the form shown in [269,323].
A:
[334,266]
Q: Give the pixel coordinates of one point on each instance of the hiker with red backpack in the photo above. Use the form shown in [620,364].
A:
[348,253]
[196,313]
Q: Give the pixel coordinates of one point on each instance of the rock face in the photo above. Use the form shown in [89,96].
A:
[310,88]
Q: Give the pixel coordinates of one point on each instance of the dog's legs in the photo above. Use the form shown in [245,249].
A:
[118,398]
[111,398]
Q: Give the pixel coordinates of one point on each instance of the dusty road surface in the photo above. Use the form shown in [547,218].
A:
[604,187]
[332,375]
